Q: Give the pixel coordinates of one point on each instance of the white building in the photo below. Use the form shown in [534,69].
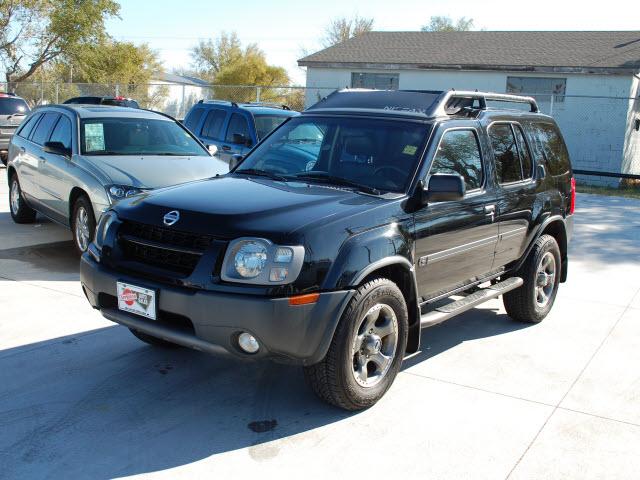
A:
[181,92]
[589,81]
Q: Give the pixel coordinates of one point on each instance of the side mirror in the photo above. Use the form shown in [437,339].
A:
[235,161]
[445,187]
[57,148]
[239,139]
[213,149]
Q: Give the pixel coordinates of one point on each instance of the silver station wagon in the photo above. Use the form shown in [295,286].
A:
[72,162]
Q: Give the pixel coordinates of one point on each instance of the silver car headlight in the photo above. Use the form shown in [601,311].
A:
[259,261]
[118,192]
[105,222]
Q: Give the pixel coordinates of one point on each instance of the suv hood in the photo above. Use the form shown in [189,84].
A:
[154,171]
[230,206]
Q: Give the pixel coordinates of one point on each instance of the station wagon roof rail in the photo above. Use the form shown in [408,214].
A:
[422,103]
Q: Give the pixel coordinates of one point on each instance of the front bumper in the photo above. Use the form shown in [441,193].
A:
[291,334]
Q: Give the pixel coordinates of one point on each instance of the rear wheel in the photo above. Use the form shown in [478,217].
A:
[20,211]
[83,224]
[151,340]
[532,302]
[367,348]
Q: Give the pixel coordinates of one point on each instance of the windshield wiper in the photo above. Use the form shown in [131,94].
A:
[262,173]
[338,181]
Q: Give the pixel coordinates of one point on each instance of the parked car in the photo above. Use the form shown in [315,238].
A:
[234,128]
[113,101]
[13,109]
[336,262]
[72,162]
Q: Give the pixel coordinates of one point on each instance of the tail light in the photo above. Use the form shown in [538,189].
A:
[572,201]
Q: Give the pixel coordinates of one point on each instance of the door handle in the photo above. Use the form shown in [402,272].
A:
[490,211]
[226,148]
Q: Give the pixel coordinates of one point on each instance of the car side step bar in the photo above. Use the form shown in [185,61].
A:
[445,312]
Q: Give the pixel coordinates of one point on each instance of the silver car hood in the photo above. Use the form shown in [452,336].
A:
[154,171]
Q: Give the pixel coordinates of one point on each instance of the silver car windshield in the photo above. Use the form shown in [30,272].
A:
[136,136]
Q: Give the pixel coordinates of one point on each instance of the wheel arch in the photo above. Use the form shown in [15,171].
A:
[554,226]
[76,192]
[401,272]
[11,171]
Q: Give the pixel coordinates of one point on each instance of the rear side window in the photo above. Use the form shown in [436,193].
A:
[238,124]
[62,132]
[212,127]
[459,153]
[27,127]
[41,132]
[505,150]
[192,120]
[553,148]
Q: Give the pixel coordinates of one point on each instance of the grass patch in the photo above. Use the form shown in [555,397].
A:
[629,192]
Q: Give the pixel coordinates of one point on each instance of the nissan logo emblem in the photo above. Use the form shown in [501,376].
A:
[172,217]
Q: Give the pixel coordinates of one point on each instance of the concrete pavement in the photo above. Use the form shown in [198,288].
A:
[486,398]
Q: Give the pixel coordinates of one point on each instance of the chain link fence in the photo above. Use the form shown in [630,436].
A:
[602,133]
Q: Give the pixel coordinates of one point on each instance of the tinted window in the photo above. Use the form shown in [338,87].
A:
[62,132]
[136,136]
[505,151]
[212,127]
[26,128]
[553,148]
[11,106]
[191,122]
[459,153]
[376,153]
[41,132]
[525,153]
[237,124]
[266,123]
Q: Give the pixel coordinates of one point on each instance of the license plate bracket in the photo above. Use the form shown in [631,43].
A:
[138,300]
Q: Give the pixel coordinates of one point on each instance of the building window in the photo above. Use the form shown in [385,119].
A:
[379,81]
[541,86]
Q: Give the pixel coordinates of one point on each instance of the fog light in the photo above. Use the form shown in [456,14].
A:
[278,274]
[248,342]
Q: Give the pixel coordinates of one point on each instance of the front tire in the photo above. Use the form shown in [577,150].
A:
[367,349]
[20,211]
[83,224]
[532,302]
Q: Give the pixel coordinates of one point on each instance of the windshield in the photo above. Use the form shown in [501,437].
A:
[266,123]
[137,136]
[376,154]
[13,106]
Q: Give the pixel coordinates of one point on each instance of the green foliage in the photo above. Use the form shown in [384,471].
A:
[224,61]
[342,29]
[446,24]
[34,33]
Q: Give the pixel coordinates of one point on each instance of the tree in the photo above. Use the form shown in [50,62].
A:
[34,33]
[446,24]
[210,56]
[341,29]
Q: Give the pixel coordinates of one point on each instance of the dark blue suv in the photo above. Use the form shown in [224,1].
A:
[234,128]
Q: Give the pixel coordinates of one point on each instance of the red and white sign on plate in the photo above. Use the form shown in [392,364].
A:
[138,300]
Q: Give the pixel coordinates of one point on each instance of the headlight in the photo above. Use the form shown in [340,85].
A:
[105,222]
[258,261]
[118,192]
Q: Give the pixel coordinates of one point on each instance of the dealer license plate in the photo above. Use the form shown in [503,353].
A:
[138,300]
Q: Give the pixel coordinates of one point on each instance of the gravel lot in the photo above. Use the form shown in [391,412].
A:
[486,398]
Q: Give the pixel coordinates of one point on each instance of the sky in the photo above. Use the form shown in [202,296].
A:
[285,29]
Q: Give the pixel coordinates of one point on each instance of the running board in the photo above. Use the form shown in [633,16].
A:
[445,312]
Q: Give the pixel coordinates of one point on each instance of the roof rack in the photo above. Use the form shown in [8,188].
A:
[268,104]
[443,104]
[219,102]
[422,103]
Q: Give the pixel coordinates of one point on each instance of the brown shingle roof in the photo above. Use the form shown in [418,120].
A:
[486,50]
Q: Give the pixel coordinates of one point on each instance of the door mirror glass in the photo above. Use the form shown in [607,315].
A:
[57,148]
[445,187]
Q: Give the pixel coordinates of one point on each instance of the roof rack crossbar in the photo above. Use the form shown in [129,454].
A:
[482,97]
[219,102]
[269,104]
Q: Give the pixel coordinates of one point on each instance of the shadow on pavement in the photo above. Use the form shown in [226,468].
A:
[103,405]
[48,261]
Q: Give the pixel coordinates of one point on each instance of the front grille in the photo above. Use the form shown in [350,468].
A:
[160,247]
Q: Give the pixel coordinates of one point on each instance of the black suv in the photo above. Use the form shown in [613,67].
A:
[343,233]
